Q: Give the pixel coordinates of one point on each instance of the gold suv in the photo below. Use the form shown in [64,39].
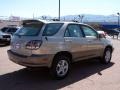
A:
[57,45]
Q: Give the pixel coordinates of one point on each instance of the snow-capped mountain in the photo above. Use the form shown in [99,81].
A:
[92,18]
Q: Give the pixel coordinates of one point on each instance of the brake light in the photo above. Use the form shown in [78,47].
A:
[34,44]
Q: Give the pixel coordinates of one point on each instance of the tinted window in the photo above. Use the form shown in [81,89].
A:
[4,29]
[29,30]
[52,29]
[12,30]
[73,31]
[89,32]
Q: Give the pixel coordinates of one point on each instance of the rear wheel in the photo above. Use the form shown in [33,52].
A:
[60,67]
[107,56]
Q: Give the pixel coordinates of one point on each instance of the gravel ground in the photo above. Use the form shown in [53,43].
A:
[84,75]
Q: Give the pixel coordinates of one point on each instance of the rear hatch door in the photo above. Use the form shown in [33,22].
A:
[30,31]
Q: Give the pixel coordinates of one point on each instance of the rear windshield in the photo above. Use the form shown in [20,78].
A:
[29,30]
[52,29]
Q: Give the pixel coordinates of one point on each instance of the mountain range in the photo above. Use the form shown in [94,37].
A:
[92,18]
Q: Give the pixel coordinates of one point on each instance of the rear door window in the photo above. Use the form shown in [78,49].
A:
[73,30]
[51,29]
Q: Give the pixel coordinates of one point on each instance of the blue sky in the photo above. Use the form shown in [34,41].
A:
[26,8]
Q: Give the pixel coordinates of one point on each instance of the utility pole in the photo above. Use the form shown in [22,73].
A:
[59,10]
[33,16]
[118,19]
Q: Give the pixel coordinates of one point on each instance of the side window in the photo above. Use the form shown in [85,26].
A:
[11,30]
[89,32]
[73,31]
[52,29]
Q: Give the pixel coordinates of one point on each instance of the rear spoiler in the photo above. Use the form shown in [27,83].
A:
[27,22]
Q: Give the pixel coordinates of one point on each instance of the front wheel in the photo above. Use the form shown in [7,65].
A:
[60,67]
[107,56]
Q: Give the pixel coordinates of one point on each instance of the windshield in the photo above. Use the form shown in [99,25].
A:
[4,29]
[29,30]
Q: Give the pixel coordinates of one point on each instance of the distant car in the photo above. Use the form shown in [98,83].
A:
[117,29]
[112,32]
[6,33]
[102,33]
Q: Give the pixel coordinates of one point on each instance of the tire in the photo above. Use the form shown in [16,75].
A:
[107,56]
[60,67]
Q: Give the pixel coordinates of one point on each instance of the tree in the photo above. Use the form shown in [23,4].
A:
[81,18]
[44,17]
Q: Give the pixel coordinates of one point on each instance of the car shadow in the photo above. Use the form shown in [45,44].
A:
[24,79]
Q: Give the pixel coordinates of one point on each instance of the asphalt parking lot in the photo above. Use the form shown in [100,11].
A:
[84,75]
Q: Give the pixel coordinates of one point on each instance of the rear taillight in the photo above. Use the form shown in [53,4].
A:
[34,44]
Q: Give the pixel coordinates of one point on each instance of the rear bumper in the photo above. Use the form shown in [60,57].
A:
[31,61]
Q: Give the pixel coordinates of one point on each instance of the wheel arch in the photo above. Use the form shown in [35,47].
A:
[109,46]
[65,53]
